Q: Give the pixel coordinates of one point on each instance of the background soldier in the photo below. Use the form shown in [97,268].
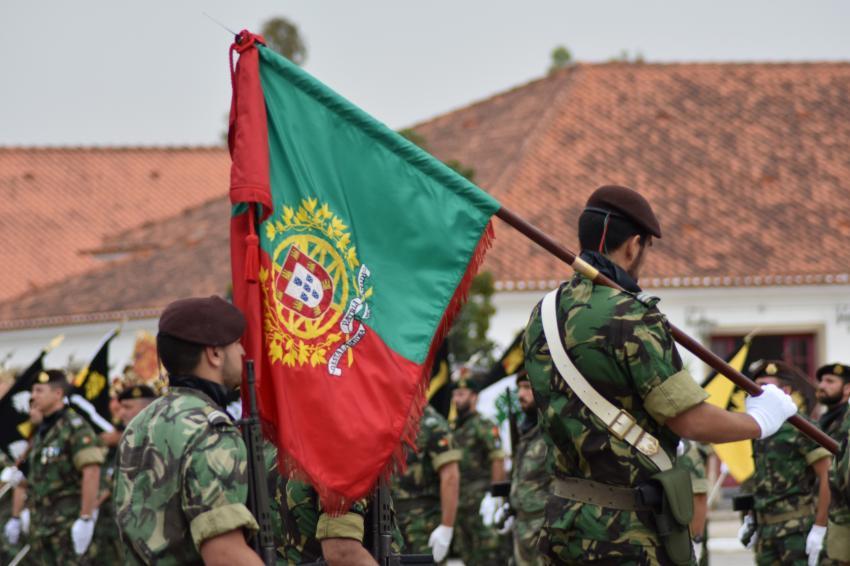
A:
[833,391]
[621,344]
[481,444]
[692,458]
[426,495]
[838,531]
[182,480]
[529,479]
[790,530]
[63,476]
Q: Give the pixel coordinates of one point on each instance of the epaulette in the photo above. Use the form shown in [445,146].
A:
[218,418]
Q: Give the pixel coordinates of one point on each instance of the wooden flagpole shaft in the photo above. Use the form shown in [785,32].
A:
[700,351]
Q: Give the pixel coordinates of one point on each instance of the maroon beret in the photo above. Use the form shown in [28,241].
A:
[626,203]
[210,321]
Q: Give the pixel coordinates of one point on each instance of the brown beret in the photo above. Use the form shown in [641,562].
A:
[626,203]
[210,321]
[52,376]
[838,370]
[137,392]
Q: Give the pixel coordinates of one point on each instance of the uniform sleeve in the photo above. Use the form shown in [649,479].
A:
[215,485]
[491,439]
[809,449]
[348,525]
[86,447]
[441,446]
[653,363]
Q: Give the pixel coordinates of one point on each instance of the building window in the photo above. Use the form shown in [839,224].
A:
[795,349]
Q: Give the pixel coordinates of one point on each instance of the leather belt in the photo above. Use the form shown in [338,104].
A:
[773,518]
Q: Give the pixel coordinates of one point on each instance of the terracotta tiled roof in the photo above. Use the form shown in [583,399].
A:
[747,166]
[60,202]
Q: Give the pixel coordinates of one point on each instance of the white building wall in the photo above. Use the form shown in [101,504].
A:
[79,346]
[822,310]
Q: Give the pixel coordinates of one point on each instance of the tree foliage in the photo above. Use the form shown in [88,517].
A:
[468,335]
[282,35]
[560,58]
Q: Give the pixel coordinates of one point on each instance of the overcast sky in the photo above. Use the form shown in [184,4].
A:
[154,72]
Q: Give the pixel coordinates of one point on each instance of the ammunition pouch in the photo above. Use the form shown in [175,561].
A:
[673,515]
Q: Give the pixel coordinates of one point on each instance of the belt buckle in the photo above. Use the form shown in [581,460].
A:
[629,425]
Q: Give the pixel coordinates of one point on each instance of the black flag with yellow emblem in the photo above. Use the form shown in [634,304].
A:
[90,392]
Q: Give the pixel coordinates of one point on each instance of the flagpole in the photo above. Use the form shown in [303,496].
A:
[715,362]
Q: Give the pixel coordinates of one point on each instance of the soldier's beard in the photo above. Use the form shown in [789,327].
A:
[832,400]
[464,409]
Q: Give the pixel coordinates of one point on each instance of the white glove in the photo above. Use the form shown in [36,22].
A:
[440,541]
[814,543]
[502,513]
[81,533]
[680,448]
[508,526]
[697,549]
[11,475]
[745,528]
[488,508]
[12,530]
[770,409]
[25,521]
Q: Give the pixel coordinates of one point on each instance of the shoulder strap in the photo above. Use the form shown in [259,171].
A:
[619,422]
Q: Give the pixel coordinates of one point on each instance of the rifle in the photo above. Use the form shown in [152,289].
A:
[381,525]
[258,488]
[513,425]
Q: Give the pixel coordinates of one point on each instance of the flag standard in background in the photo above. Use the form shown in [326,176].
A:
[440,385]
[738,456]
[15,406]
[90,394]
[352,249]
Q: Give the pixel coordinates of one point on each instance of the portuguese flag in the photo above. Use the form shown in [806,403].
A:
[352,249]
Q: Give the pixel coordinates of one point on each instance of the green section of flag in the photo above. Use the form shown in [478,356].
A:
[412,221]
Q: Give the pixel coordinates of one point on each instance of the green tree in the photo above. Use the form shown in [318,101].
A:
[283,36]
[560,58]
[468,335]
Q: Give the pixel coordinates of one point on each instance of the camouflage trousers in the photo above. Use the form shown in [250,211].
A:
[783,543]
[526,536]
[416,521]
[57,549]
[579,551]
[106,544]
[472,541]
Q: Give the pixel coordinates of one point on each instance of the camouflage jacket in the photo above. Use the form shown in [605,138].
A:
[305,524]
[623,347]
[530,476]
[784,480]
[478,438]
[435,448]
[839,476]
[693,460]
[182,479]
[64,444]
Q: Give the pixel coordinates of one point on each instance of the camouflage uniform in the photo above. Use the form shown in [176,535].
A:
[416,494]
[624,348]
[305,525]
[63,446]
[832,420]
[478,438]
[106,544]
[693,460]
[529,490]
[837,545]
[784,500]
[182,479]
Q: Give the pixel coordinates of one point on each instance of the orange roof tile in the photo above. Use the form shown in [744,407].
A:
[746,165]
[59,202]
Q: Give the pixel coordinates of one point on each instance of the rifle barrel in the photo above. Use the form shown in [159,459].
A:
[539,237]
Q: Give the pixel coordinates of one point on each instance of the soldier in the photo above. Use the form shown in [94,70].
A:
[790,524]
[616,347]
[838,530]
[63,476]
[426,495]
[312,535]
[692,458]
[833,391]
[182,479]
[529,479]
[132,400]
[478,438]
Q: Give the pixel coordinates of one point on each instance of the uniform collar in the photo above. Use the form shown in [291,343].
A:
[216,392]
[50,420]
[611,270]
